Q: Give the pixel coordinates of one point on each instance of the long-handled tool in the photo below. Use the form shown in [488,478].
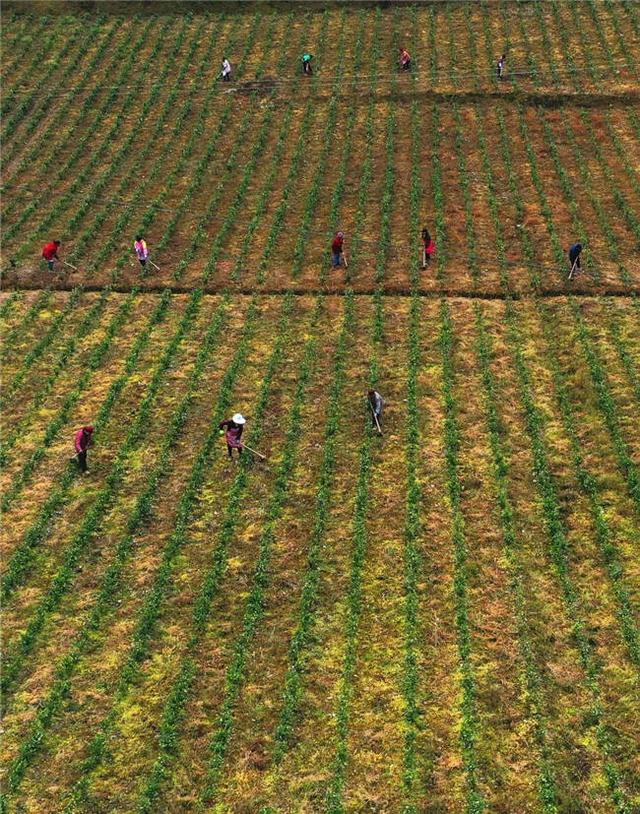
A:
[573,268]
[253,451]
[344,257]
[64,263]
[424,258]
[377,423]
[154,265]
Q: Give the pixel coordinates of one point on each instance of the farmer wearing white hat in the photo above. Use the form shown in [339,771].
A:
[233,431]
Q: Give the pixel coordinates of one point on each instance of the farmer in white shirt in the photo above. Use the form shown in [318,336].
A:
[226,70]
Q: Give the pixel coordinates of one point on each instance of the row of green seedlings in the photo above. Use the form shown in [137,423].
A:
[354,602]
[147,621]
[81,45]
[317,182]
[196,133]
[606,401]
[69,196]
[469,723]
[586,480]
[18,34]
[546,784]
[349,129]
[178,697]
[627,360]
[551,511]
[531,678]
[560,554]
[37,119]
[21,561]
[36,31]
[9,303]
[200,232]
[199,175]
[244,183]
[37,350]
[274,235]
[56,366]
[626,211]
[34,155]
[60,419]
[13,337]
[237,668]
[87,204]
[412,525]
[111,584]
[303,633]
[22,558]
[57,172]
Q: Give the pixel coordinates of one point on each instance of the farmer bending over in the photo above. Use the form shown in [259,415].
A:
[226,70]
[428,247]
[337,249]
[306,64]
[50,253]
[574,258]
[83,440]
[140,248]
[405,59]
[233,431]
[376,403]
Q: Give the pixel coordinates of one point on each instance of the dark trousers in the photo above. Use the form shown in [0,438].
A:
[230,450]
[82,461]
[143,262]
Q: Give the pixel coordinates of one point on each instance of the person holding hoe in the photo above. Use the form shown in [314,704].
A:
[232,429]
[376,404]
[50,253]
[574,258]
[83,440]
[337,250]
[428,247]
[226,70]
[141,250]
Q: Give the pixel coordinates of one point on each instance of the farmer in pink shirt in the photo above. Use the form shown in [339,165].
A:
[232,429]
[83,440]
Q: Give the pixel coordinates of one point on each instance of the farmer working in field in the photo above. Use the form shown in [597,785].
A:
[50,253]
[428,247]
[376,403]
[405,60]
[83,440]
[140,248]
[337,249]
[306,64]
[226,70]
[574,258]
[233,431]
[500,66]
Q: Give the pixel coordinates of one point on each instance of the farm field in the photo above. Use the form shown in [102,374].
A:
[441,619]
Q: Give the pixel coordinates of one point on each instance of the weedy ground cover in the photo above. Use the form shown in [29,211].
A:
[442,618]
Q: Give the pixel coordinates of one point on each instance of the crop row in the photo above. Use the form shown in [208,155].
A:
[54,368]
[113,576]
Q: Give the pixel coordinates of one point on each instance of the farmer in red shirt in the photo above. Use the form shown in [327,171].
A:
[428,247]
[50,253]
[83,440]
[233,427]
[337,249]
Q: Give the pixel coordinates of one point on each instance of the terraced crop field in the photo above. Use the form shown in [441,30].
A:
[441,619]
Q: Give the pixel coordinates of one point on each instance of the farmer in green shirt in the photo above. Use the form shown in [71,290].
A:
[306,64]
